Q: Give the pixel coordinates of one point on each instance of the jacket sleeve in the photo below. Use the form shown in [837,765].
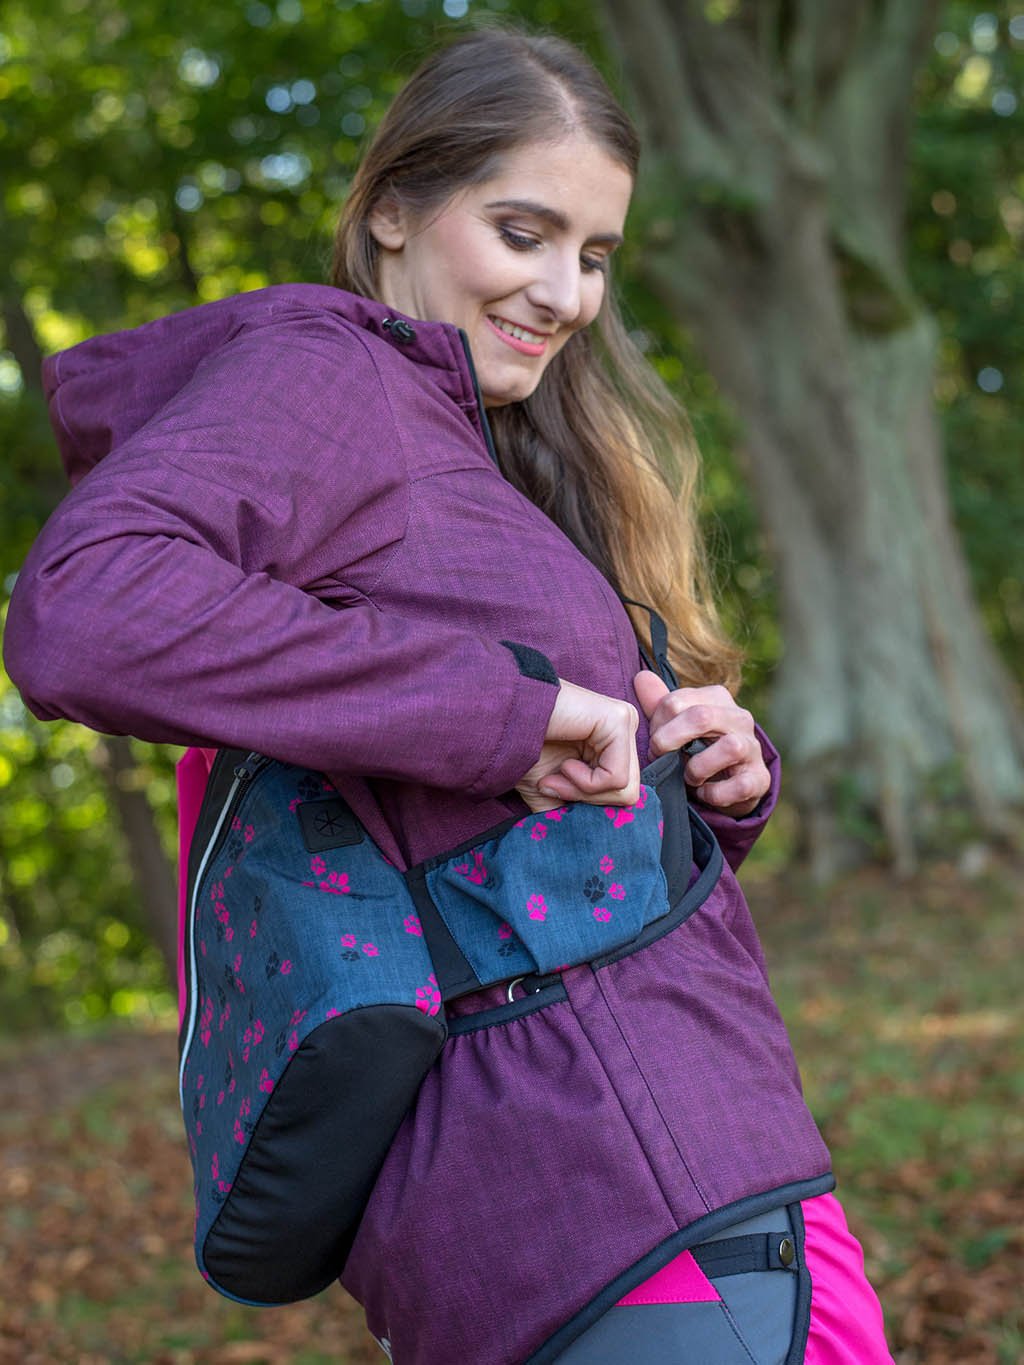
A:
[738,836]
[172,594]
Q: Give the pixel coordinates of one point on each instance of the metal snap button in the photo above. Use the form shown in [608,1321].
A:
[787,1251]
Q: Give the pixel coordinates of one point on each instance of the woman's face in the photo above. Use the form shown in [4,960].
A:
[518,261]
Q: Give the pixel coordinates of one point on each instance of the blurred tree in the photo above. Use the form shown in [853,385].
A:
[778,139]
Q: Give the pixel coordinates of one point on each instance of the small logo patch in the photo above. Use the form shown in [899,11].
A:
[328,824]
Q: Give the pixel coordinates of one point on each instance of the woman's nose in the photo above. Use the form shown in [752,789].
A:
[557,287]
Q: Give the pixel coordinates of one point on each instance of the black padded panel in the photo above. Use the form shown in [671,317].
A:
[289,1222]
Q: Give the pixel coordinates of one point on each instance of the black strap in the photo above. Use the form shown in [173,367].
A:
[741,1255]
[659,645]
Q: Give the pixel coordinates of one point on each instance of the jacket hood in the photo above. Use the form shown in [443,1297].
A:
[103,390]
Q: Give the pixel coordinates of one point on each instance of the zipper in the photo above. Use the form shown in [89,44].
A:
[481,411]
[244,773]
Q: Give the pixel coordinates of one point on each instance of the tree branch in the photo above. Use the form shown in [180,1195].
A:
[22,343]
[708,103]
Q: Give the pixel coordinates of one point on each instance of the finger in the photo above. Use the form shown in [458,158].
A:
[743,786]
[725,755]
[675,723]
[598,786]
[649,690]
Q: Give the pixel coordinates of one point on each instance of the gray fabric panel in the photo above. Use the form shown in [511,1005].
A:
[752,1326]
[660,1334]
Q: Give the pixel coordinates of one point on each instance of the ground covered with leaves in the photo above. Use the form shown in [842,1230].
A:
[904,1003]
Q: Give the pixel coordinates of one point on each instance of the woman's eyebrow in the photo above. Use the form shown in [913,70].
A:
[556,218]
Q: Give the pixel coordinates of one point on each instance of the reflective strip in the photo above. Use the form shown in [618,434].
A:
[193,970]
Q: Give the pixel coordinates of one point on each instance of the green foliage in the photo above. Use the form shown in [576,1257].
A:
[966,232]
[153,156]
[73,948]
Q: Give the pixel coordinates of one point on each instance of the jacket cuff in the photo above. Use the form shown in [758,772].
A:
[532,699]
[737,834]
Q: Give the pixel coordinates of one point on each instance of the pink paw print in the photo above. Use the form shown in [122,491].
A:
[428,997]
[412,925]
[504,931]
[539,832]
[336,884]
[557,814]
[607,864]
[286,966]
[371,950]
[317,866]
[348,940]
[617,892]
[619,815]
[537,908]
[600,913]
[265,1082]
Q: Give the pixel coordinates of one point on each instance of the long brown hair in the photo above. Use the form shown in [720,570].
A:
[601,446]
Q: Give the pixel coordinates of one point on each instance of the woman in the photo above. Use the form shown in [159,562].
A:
[299,542]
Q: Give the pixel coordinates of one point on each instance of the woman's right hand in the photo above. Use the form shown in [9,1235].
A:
[589,753]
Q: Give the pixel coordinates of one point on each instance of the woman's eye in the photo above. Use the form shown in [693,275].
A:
[595,263]
[518,241]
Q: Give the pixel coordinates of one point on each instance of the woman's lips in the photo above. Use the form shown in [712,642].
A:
[517,343]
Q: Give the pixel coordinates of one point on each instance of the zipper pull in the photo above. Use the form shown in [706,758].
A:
[246,769]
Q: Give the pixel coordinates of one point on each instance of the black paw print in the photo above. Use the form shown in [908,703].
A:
[236,847]
[310,788]
[594,888]
[349,955]
[273,963]
[506,949]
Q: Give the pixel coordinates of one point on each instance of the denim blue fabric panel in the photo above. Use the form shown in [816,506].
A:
[555,889]
[281,940]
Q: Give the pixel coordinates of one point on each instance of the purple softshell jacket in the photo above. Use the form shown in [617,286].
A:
[287,535]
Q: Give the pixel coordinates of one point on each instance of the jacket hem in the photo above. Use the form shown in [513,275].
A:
[691,1235]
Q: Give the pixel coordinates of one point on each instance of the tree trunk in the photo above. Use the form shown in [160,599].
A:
[151,871]
[778,244]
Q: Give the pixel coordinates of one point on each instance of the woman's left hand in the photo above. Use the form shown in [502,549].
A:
[730,774]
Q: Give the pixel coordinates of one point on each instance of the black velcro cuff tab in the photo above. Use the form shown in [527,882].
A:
[532,663]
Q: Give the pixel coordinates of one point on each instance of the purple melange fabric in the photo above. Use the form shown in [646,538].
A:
[287,535]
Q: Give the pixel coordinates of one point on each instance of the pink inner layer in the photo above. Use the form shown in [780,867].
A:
[681,1281]
[192,772]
